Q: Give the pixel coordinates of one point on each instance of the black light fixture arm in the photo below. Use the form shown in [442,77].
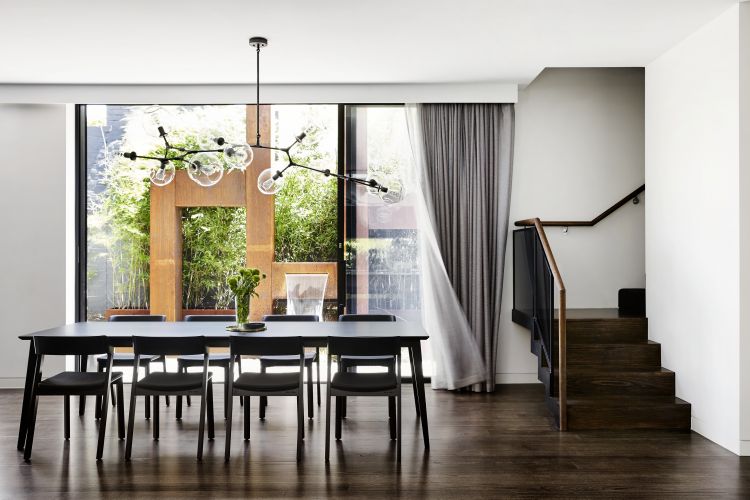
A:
[132,155]
[259,42]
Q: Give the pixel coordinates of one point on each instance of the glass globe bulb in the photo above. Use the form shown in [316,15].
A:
[267,184]
[238,156]
[394,194]
[162,174]
[153,117]
[205,169]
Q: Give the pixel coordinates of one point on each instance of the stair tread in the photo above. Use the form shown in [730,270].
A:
[611,344]
[592,371]
[631,401]
[595,313]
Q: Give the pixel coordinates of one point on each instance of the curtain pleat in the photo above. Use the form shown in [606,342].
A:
[466,167]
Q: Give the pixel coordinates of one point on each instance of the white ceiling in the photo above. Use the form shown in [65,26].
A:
[333,41]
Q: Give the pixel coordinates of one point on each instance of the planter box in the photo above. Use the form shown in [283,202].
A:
[185,312]
[117,312]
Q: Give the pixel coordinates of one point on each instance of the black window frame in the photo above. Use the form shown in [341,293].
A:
[345,219]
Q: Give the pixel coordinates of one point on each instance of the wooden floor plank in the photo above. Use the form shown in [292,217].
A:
[501,445]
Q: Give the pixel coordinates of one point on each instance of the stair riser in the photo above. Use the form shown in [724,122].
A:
[615,357]
[667,417]
[620,331]
[621,384]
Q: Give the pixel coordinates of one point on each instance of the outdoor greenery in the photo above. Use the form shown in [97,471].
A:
[213,249]
[213,237]
[306,216]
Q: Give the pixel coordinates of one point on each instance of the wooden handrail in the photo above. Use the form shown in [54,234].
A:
[583,223]
[562,366]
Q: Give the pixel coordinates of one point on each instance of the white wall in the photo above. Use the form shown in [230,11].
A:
[33,229]
[744,44]
[578,150]
[693,220]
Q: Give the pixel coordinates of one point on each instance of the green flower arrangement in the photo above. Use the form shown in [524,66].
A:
[243,285]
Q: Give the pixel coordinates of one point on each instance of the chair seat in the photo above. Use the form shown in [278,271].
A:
[126,359]
[197,359]
[76,382]
[267,382]
[172,382]
[386,361]
[363,382]
[290,360]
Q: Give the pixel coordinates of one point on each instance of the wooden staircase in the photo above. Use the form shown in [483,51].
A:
[614,375]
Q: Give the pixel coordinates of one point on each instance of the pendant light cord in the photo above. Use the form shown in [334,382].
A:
[257,95]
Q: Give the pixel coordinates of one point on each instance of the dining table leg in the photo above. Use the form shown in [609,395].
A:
[83,366]
[416,351]
[24,425]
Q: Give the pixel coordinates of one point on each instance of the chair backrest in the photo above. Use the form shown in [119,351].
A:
[364,346]
[138,317]
[266,346]
[291,317]
[211,317]
[71,346]
[367,317]
[179,346]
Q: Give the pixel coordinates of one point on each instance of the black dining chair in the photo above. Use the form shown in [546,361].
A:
[68,384]
[266,384]
[126,359]
[176,384]
[310,358]
[219,360]
[350,363]
[346,383]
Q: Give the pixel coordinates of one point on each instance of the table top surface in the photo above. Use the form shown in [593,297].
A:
[217,330]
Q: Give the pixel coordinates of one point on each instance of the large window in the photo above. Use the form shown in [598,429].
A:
[314,224]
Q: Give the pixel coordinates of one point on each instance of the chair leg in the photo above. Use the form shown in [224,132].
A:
[34,402]
[317,370]
[300,425]
[164,367]
[398,437]
[328,423]
[187,398]
[98,399]
[339,419]
[239,367]
[147,410]
[263,399]
[343,400]
[178,408]
[82,399]
[66,416]
[112,395]
[131,418]
[392,416]
[103,425]
[226,391]
[246,421]
[228,429]
[155,423]
[210,410]
[310,397]
[202,426]
[120,411]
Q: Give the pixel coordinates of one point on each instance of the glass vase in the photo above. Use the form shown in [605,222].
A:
[242,309]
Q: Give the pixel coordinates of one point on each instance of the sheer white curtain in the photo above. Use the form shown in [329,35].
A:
[457,357]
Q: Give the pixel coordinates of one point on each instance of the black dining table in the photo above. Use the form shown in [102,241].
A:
[314,334]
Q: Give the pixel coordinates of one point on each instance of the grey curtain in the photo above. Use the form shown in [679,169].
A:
[468,151]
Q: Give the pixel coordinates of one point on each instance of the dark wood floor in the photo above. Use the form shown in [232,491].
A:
[483,446]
